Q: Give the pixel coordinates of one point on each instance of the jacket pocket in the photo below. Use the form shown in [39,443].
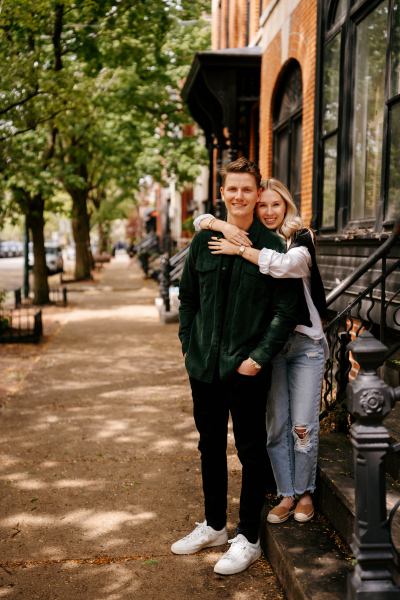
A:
[255,284]
[206,271]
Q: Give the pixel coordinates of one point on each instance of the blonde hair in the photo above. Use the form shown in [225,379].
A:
[292,221]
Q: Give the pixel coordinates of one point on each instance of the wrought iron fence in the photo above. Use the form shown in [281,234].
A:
[355,318]
[20,325]
[57,295]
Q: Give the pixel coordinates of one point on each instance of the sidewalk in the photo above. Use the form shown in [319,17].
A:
[100,467]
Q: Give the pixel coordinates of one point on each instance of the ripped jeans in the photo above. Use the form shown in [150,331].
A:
[293,414]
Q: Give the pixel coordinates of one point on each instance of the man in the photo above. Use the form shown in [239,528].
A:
[233,320]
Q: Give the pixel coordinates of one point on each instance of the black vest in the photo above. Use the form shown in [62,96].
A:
[303,238]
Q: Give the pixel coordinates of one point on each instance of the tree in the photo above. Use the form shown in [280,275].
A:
[90,96]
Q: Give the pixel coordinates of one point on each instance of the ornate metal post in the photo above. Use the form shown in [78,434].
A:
[369,400]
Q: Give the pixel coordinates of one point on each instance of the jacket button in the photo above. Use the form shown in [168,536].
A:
[215,344]
[224,268]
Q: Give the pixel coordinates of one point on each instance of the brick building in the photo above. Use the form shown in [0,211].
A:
[310,89]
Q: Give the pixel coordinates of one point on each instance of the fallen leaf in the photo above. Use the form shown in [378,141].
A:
[34,499]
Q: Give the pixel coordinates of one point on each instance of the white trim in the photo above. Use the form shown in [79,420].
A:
[267,12]
[256,39]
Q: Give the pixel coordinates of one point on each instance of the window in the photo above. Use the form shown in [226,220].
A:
[287,127]
[393,208]
[330,129]
[358,154]
[369,100]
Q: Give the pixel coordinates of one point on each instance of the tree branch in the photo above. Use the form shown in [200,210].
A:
[20,102]
[32,127]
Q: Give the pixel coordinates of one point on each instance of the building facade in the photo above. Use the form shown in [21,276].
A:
[309,89]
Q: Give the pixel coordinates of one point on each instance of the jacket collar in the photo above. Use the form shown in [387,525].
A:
[254,229]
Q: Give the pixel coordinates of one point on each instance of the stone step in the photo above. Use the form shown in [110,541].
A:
[312,559]
[309,559]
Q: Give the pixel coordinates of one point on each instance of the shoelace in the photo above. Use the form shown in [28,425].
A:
[235,542]
[202,528]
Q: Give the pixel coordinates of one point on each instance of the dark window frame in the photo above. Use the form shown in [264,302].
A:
[286,123]
[357,10]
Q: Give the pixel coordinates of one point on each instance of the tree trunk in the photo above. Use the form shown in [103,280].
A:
[102,238]
[81,234]
[36,224]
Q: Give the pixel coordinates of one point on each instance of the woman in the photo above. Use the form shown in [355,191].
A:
[293,400]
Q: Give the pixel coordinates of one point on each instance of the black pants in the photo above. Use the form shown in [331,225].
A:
[245,397]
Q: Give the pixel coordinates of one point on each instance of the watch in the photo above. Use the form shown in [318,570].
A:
[255,364]
[241,250]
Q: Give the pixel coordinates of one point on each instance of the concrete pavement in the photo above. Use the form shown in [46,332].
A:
[100,467]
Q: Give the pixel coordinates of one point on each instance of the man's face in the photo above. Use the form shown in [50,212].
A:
[240,194]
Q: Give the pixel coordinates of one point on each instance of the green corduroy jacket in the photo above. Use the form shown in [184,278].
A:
[261,311]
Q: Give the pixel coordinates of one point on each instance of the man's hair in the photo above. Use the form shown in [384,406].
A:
[241,165]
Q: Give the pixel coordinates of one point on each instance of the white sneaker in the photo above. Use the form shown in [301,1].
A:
[203,536]
[240,555]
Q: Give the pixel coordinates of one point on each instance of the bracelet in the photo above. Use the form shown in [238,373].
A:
[210,222]
[255,364]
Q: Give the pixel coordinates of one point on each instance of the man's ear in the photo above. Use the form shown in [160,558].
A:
[221,189]
[259,194]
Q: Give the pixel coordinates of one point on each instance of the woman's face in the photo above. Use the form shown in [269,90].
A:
[271,209]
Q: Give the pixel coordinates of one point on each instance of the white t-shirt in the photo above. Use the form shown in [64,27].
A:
[295,264]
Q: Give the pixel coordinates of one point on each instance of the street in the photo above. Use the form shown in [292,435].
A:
[11,273]
[100,470]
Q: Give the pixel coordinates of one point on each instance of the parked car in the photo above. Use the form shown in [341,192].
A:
[9,249]
[54,260]
[20,248]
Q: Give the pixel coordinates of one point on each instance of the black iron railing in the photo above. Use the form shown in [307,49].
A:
[355,318]
[370,400]
[170,273]
[21,325]
[57,295]
[147,250]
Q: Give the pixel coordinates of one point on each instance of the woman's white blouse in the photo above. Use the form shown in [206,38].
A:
[197,220]
[295,264]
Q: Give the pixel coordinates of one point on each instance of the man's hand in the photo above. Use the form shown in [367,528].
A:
[247,368]
[235,235]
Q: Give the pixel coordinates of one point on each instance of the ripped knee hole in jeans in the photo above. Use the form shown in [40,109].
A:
[301,438]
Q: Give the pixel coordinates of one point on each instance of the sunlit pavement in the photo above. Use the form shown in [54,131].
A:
[99,463]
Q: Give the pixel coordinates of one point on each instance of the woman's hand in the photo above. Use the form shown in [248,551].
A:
[235,235]
[222,246]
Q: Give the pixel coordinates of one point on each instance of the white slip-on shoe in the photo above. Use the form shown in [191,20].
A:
[203,536]
[240,555]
